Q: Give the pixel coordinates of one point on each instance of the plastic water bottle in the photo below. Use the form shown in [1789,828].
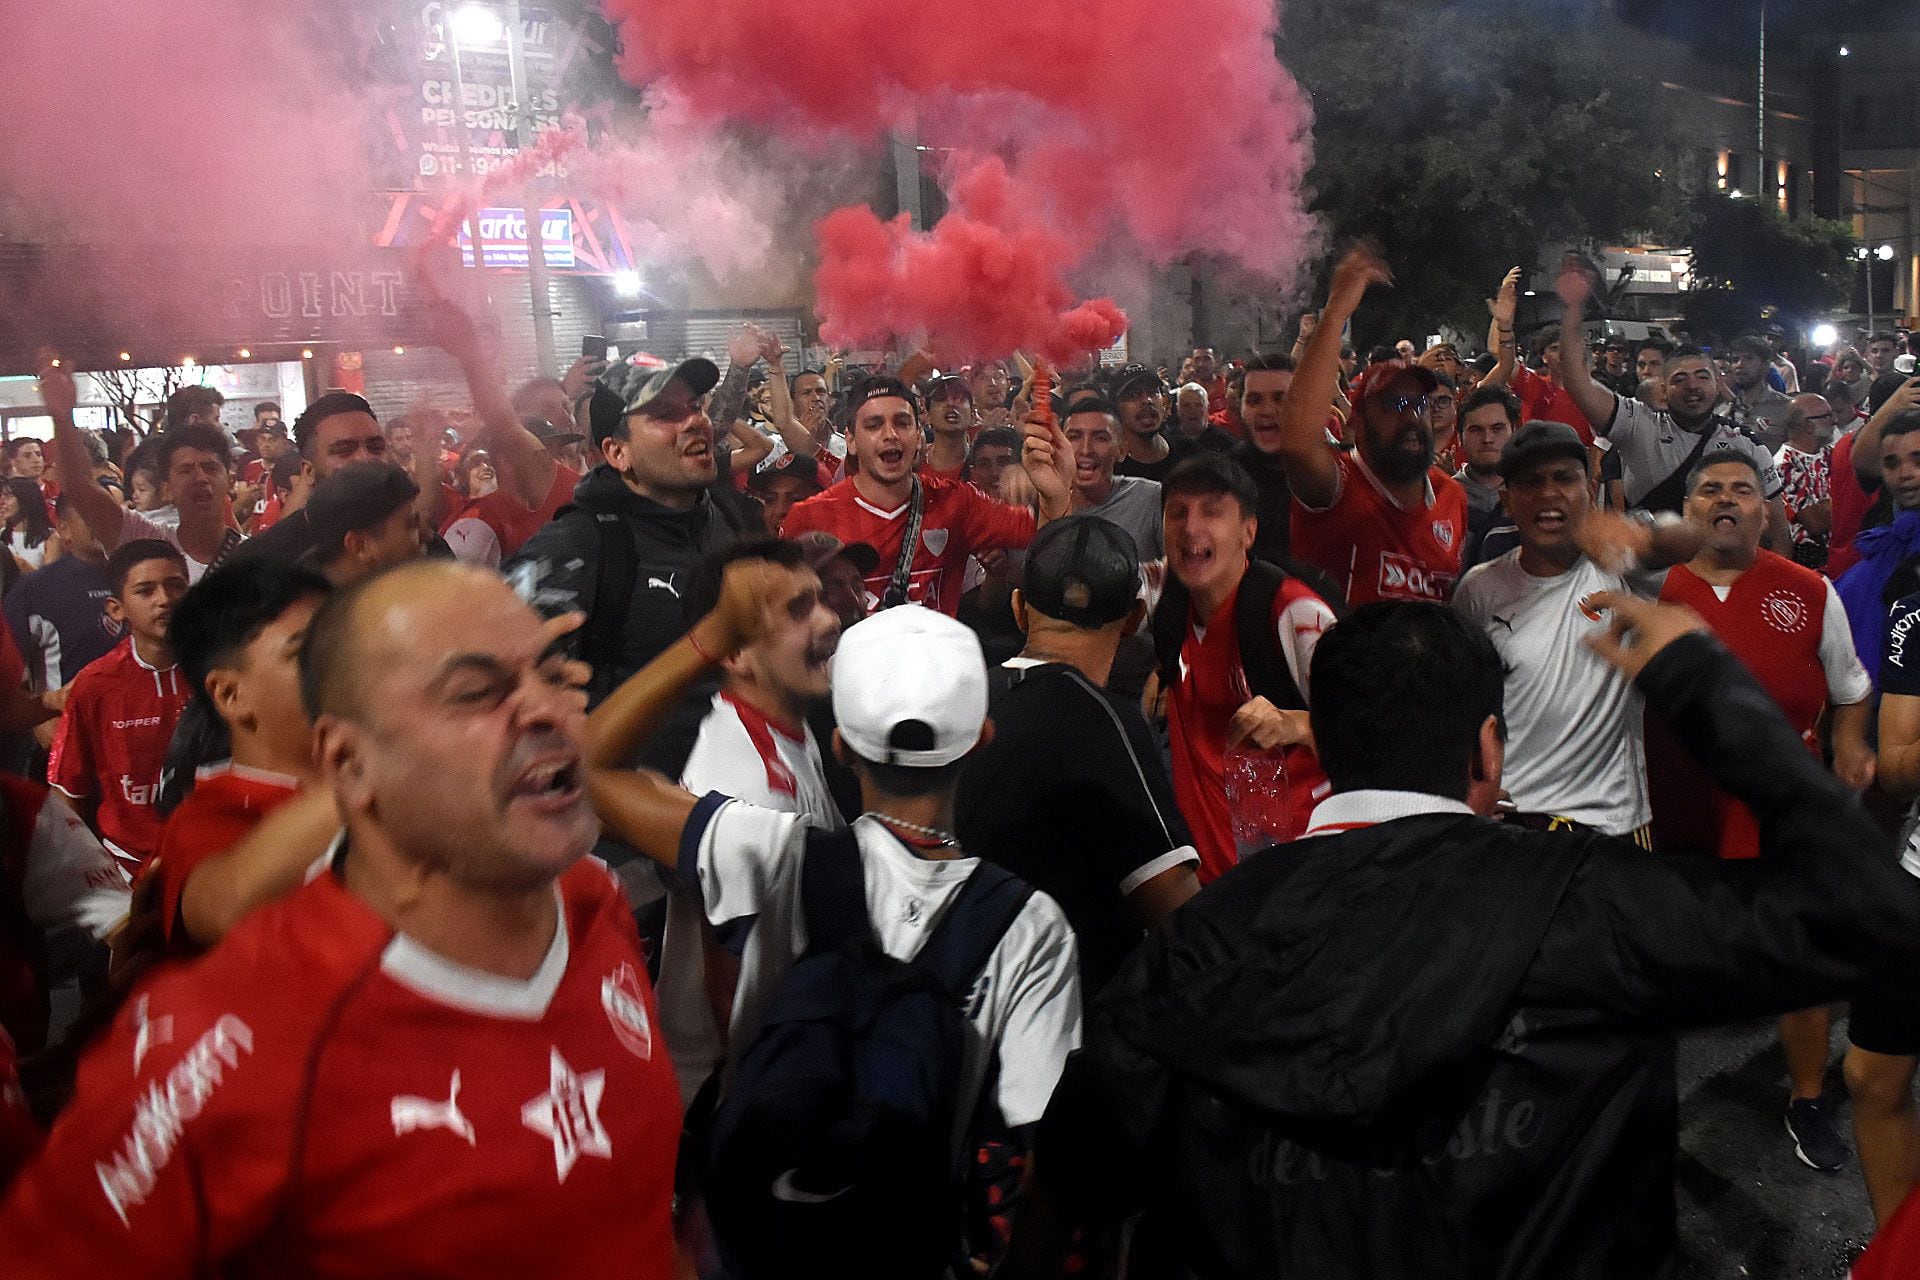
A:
[1257,797]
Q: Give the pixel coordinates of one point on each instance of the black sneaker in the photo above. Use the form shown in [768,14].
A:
[1815,1140]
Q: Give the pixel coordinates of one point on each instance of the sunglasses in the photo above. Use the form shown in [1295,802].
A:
[1403,403]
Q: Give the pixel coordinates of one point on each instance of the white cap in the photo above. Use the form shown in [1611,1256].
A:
[905,664]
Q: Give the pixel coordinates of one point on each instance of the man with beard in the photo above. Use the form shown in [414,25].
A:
[1381,521]
[437,1058]
[1145,452]
[1658,450]
[1786,624]
[1756,405]
[636,524]
[924,527]
[1574,755]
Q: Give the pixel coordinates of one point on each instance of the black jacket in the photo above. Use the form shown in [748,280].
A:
[559,570]
[1442,1047]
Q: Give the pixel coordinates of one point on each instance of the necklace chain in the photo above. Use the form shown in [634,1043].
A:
[942,839]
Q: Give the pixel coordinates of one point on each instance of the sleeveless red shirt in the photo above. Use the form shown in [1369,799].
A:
[1772,619]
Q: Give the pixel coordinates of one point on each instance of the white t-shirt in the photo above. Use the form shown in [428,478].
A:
[740,753]
[135,524]
[1574,747]
[1025,1005]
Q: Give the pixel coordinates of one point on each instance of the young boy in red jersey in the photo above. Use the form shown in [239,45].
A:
[111,749]
[1229,740]
[237,635]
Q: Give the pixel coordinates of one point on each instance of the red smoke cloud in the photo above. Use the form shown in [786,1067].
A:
[984,281]
[157,122]
[1066,124]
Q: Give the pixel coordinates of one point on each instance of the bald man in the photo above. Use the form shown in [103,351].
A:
[436,1059]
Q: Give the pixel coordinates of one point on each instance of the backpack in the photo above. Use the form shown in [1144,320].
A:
[1268,675]
[834,1147]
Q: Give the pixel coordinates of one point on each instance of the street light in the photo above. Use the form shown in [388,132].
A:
[1885,254]
[1824,336]
[480,24]
[627,283]
[475,24]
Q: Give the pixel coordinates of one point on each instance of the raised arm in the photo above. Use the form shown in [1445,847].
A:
[1866,445]
[641,807]
[72,465]
[524,466]
[780,396]
[730,397]
[1500,331]
[1309,464]
[1595,401]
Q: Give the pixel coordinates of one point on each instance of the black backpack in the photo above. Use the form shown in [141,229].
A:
[1268,675]
[834,1147]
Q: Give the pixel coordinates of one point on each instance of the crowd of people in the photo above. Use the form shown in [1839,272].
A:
[1252,818]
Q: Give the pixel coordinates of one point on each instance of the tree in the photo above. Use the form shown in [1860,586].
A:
[1469,137]
[1751,263]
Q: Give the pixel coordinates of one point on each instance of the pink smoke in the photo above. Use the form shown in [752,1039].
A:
[155,122]
[1067,126]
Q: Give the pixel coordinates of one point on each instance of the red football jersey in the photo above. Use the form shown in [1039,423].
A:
[1772,620]
[320,1096]
[1378,550]
[958,520]
[20,1136]
[112,745]
[1895,1251]
[510,522]
[1544,400]
[227,802]
[1200,705]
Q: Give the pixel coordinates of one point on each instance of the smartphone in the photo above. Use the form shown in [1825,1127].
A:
[593,347]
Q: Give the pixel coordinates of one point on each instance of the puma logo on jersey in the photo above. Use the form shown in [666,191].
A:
[664,584]
[1503,622]
[411,1114]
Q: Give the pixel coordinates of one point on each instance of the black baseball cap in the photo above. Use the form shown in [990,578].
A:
[605,412]
[639,385]
[354,498]
[548,434]
[943,387]
[791,464]
[875,387]
[1082,570]
[1536,442]
[1134,380]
